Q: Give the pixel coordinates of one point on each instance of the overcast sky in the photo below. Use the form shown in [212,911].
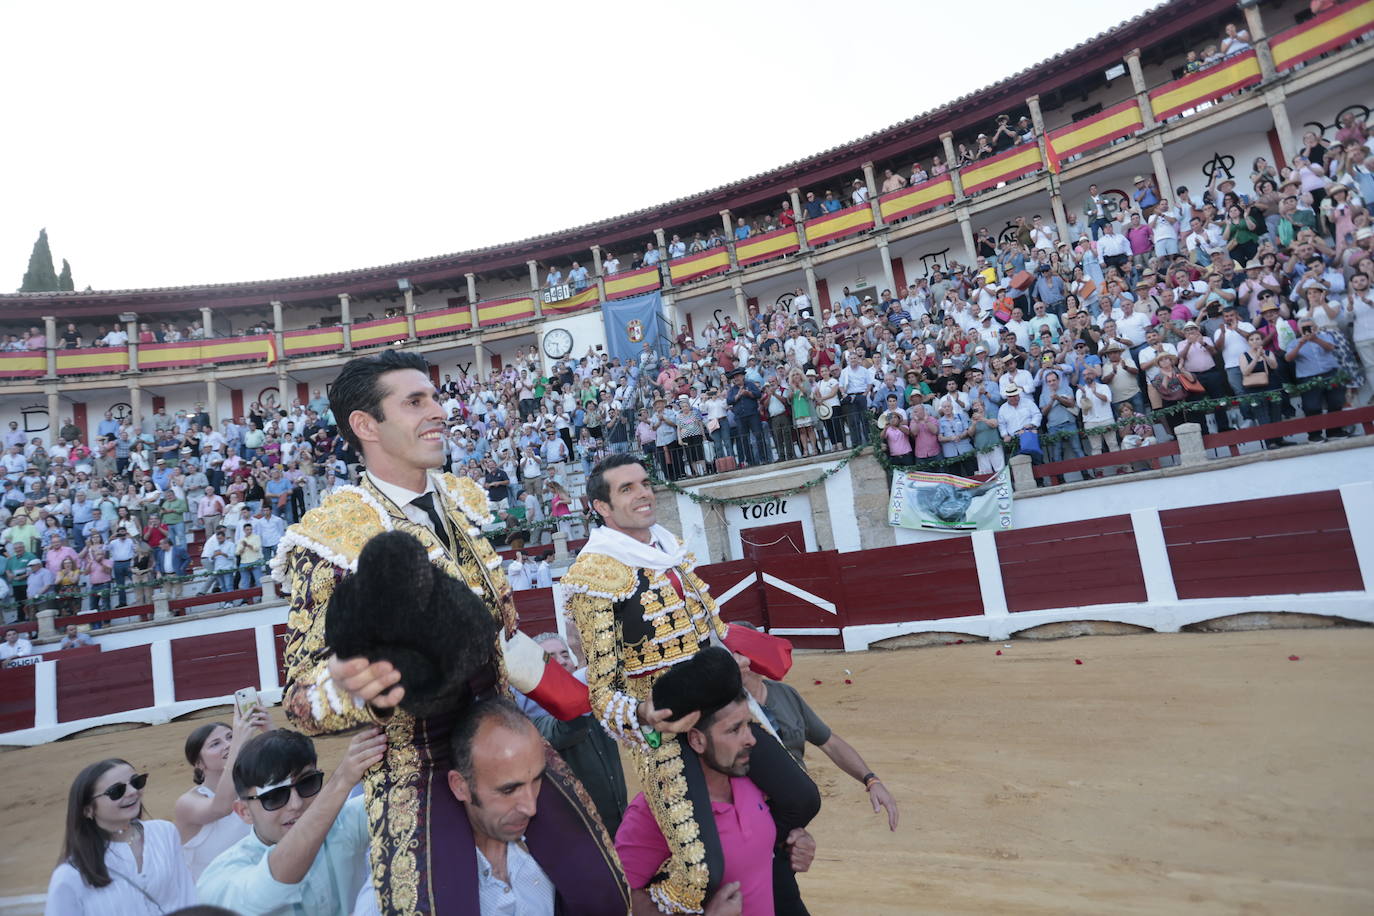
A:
[164,144]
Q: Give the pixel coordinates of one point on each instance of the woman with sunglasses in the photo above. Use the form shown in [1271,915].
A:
[205,815]
[113,862]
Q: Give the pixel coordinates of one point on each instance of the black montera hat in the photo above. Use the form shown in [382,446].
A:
[706,682]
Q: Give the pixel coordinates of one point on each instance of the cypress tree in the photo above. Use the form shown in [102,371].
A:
[64,280]
[40,277]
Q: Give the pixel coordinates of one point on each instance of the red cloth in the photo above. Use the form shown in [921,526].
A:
[770,656]
[564,696]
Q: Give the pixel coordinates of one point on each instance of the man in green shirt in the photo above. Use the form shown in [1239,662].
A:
[174,517]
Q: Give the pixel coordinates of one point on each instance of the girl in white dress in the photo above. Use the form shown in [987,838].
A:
[114,863]
[204,816]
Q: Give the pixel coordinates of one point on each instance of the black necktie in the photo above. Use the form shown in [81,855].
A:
[425,501]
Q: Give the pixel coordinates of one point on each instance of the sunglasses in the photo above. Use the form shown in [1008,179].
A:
[116,791]
[274,797]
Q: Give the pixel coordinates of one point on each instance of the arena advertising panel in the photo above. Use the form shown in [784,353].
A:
[944,502]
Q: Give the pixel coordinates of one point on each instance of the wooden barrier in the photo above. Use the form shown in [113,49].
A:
[214,665]
[109,682]
[1285,545]
[927,581]
[536,609]
[1095,561]
[16,698]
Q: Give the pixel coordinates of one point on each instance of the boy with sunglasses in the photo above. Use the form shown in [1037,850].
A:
[307,853]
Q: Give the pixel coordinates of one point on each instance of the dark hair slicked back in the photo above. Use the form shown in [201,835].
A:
[597,487]
[358,387]
[465,729]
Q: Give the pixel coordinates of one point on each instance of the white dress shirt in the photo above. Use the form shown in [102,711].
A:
[402,497]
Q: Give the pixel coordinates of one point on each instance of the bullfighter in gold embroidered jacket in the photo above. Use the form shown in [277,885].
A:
[422,854]
[640,609]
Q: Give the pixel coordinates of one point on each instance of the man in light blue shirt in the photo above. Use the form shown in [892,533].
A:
[1313,355]
[308,852]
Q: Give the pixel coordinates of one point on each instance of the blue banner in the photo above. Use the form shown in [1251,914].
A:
[632,322]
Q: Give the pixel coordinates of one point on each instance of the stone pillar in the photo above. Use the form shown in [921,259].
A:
[670,311]
[479,361]
[1191,451]
[1155,145]
[212,400]
[50,351]
[1254,22]
[741,301]
[729,238]
[1061,218]
[1142,92]
[966,230]
[1022,475]
[811,288]
[54,411]
[600,280]
[162,608]
[871,181]
[947,138]
[131,332]
[1276,98]
[136,402]
[345,322]
[560,548]
[410,314]
[47,628]
[886,258]
[472,300]
[795,194]
[536,290]
[278,331]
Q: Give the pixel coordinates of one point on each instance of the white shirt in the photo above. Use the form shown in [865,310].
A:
[518,575]
[21,648]
[529,893]
[1361,307]
[1096,411]
[1109,244]
[1234,344]
[1150,353]
[212,838]
[1012,418]
[165,877]
[402,497]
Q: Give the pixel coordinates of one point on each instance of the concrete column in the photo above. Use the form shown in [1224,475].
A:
[560,548]
[811,289]
[871,181]
[346,322]
[131,332]
[1276,98]
[54,408]
[729,238]
[1191,451]
[795,194]
[136,401]
[600,280]
[1155,145]
[47,628]
[1142,92]
[536,289]
[947,138]
[662,239]
[278,330]
[966,230]
[212,400]
[1254,22]
[886,258]
[1061,218]
[206,322]
[1022,475]
[410,314]
[50,351]
[670,310]
[472,299]
[741,302]
[479,361]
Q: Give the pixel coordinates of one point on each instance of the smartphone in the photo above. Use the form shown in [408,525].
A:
[245,700]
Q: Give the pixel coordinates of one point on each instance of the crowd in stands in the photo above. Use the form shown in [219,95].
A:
[1101,340]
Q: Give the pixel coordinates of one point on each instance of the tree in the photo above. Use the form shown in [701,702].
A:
[40,277]
[64,280]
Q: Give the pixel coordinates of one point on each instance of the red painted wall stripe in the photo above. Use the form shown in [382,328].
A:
[924,581]
[104,683]
[16,698]
[214,665]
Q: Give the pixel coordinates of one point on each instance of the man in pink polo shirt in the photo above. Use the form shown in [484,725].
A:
[723,740]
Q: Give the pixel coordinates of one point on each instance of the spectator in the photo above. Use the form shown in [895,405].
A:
[249,553]
[1313,358]
[14,646]
[309,841]
[74,638]
[204,815]
[113,861]
[171,564]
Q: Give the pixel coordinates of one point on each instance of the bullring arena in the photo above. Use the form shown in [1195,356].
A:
[1140,686]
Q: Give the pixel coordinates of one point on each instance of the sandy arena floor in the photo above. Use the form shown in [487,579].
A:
[1166,774]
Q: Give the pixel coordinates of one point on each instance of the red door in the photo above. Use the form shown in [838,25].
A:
[785,540]
[79,419]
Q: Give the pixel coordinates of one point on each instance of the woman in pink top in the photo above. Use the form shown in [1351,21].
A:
[896,440]
[925,430]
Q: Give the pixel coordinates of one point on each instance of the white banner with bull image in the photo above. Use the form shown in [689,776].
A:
[944,502]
